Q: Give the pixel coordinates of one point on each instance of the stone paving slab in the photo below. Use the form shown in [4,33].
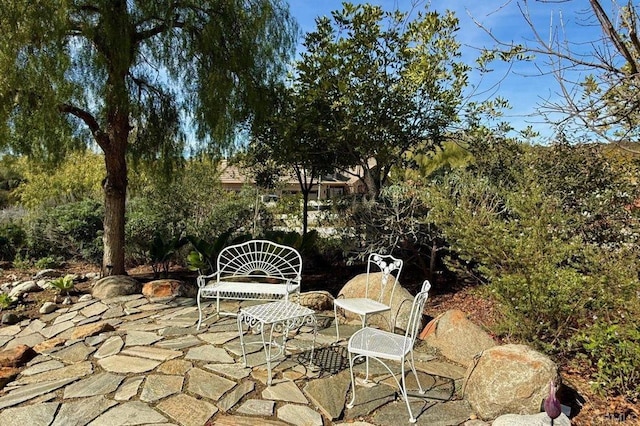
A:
[41,415]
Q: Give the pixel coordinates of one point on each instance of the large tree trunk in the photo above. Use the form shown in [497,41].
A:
[115,192]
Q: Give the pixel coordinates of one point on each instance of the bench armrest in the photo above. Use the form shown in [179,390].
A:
[202,279]
[291,283]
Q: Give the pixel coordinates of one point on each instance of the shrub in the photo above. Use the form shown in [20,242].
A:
[12,240]
[72,230]
[47,262]
[563,266]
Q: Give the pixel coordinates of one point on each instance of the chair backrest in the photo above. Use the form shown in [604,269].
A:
[415,317]
[260,259]
[390,267]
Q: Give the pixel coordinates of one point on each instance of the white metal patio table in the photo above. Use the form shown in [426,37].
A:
[279,318]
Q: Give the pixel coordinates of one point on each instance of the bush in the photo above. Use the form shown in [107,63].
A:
[67,231]
[12,240]
[563,266]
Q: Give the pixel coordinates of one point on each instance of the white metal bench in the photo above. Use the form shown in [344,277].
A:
[255,270]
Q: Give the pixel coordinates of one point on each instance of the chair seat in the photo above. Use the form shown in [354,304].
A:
[361,306]
[379,344]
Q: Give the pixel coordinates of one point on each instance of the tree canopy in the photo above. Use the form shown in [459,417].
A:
[386,81]
[125,76]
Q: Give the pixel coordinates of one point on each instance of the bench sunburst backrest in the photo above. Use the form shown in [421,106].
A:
[260,258]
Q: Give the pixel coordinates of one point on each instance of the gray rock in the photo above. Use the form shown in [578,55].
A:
[28,392]
[509,379]
[285,391]
[25,287]
[158,386]
[85,298]
[114,286]
[79,413]
[257,407]
[207,384]
[188,410]
[129,413]
[47,273]
[232,398]
[10,318]
[97,384]
[48,307]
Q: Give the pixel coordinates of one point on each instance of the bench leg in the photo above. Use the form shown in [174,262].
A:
[199,311]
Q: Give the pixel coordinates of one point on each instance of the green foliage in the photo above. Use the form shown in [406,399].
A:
[614,351]
[47,262]
[76,76]
[163,251]
[76,178]
[5,301]
[200,208]
[64,284]
[21,262]
[11,175]
[549,230]
[66,231]
[378,83]
[204,256]
[12,240]
[306,244]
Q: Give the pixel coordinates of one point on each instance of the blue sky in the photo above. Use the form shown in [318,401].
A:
[522,85]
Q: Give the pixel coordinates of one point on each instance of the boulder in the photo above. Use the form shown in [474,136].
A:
[168,288]
[400,305]
[317,300]
[457,338]
[508,379]
[114,286]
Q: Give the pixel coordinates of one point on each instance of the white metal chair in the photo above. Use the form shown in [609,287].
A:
[384,345]
[372,302]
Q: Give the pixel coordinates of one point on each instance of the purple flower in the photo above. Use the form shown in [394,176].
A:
[551,403]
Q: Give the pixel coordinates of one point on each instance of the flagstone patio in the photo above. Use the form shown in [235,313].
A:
[145,363]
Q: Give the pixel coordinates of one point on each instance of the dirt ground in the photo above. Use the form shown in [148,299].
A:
[597,410]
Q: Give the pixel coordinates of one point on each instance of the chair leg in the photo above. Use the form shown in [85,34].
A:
[403,391]
[335,314]
[415,374]
[353,382]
